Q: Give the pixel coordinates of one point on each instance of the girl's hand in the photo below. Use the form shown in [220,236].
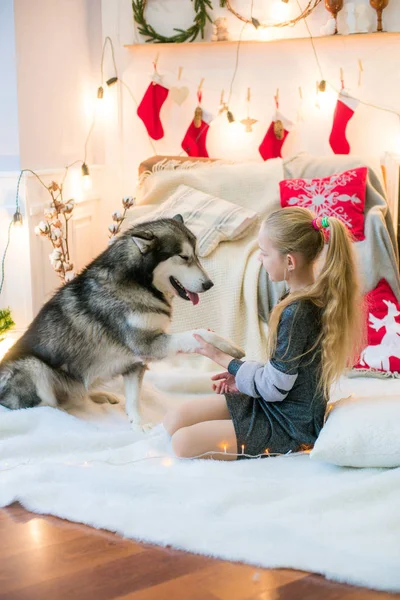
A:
[212,352]
[226,383]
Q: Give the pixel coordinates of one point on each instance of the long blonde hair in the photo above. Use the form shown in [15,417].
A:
[336,289]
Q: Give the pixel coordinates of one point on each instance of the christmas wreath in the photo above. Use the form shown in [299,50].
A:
[201,8]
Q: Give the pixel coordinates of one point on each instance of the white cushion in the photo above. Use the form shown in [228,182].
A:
[361,432]
[211,219]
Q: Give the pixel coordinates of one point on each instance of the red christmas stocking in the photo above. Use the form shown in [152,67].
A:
[194,142]
[344,110]
[150,106]
[271,146]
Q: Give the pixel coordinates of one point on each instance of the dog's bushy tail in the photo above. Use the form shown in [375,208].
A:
[19,383]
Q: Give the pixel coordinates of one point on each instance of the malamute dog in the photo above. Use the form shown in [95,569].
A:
[112,319]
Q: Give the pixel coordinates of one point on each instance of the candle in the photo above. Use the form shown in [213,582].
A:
[267,451]
[242,448]
[225,448]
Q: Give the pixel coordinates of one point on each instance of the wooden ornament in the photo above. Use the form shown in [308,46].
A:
[248,123]
[279,130]
[198,117]
[179,94]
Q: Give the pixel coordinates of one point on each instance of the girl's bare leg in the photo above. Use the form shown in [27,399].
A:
[207,436]
[202,425]
[212,408]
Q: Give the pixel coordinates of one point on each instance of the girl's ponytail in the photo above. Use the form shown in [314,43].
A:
[343,321]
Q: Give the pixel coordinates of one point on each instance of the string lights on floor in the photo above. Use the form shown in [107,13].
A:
[166,461]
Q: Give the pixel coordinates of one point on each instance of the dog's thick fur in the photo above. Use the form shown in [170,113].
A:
[112,319]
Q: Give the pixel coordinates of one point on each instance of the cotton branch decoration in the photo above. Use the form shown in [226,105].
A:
[118,218]
[55,228]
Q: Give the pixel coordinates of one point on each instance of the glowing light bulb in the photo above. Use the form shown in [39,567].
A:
[327,100]
[267,34]
[17,219]
[87,183]
[280,11]
[86,179]
[106,105]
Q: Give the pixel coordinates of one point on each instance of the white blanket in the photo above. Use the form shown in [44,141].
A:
[278,512]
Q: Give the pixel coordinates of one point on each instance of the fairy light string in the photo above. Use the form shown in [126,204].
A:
[89,462]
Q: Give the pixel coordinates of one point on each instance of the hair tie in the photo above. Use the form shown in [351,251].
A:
[316,224]
[319,223]
[325,222]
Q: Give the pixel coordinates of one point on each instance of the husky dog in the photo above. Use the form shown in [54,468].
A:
[111,320]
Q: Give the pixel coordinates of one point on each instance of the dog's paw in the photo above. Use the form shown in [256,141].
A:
[221,343]
[186,343]
[103,398]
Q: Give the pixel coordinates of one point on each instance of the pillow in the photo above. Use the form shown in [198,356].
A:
[211,219]
[341,196]
[382,354]
[361,432]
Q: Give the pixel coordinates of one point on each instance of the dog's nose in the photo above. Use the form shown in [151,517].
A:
[207,285]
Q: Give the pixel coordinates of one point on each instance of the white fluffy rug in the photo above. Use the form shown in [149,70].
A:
[276,512]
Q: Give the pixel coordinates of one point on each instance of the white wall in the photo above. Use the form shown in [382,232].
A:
[58,45]
[9,144]
[17,290]
[58,51]
[263,67]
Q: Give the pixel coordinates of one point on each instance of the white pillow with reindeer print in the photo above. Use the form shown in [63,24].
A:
[381,355]
[211,219]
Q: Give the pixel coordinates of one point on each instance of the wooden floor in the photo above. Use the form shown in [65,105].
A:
[44,558]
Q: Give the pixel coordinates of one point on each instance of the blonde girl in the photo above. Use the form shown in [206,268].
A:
[314,333]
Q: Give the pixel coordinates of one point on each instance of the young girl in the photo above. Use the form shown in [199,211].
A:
[314,333]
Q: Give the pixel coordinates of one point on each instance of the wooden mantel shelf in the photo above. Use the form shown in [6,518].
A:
[360,37]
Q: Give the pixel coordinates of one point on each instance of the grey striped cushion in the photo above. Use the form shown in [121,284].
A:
[211,219]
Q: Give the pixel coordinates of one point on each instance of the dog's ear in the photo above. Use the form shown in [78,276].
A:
[145,241]
[178,218]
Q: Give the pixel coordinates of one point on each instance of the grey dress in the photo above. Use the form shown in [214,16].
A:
[279,406]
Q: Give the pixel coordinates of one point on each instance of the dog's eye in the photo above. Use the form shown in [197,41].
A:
[183,257]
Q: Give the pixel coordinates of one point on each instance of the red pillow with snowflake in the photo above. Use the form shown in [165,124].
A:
[341,196]
[383,319]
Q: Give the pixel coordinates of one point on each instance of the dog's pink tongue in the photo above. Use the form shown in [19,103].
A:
[194,297]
